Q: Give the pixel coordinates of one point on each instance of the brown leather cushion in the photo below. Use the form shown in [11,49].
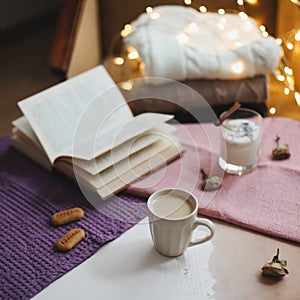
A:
[115,14]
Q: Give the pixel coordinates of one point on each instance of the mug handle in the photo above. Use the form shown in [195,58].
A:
[203,222]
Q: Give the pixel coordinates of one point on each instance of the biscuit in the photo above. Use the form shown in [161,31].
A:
[67,216]
[70,239]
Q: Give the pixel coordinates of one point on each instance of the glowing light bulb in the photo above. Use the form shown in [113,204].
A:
[202,9]
[118,61]
[265,34]
[193,27]
[149,9]
[290,46]
[243,15]
[262,27]
[295,1]
[188,2]
[297,36]
[290,80]
[251,1]
[279,41]
[132,53]
[280,77]
[221,11]
[286,91]
[288,71]
[127,30]
[238,67]
[297,98]
[127,85]
[182,38]
[240,2]
[272,110]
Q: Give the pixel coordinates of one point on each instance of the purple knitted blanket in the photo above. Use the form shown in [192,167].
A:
[29,195]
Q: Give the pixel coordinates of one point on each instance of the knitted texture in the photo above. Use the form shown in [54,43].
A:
[265,200]
[29,195]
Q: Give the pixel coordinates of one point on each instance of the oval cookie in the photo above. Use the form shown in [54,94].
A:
[70,239]
[67,216]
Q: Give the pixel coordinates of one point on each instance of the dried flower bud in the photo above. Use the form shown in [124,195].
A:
[281,151]
[275,268]
[210,183]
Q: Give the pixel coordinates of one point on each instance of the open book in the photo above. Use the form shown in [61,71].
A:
[84,128]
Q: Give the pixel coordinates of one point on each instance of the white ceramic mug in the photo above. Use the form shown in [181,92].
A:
[173,218]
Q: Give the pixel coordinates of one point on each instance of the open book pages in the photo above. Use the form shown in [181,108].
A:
[116,168]
[84,128]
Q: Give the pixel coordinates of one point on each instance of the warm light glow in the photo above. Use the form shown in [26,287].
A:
[297,98]
[127,85]
[193,27]
[290,80]
[188,2]
[203,9]
[272,110]
[221,11]
[149,9]
[132,53]
[286,91]
[262,27]
[238,67]
[290,46]
[280,77]
[251,1]
[243,15]
[265,34]
[182,38]
[240,2]
[279,41]
[297,36]
[154,16]
[127,30]
[296,2]
[118,61]
[288,71]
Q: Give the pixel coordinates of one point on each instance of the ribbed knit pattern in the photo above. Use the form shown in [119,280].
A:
[266,200]
[29,195]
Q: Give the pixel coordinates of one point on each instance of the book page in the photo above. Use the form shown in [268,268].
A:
[119,182]
[108,137]
[23,126]
[26,146]
[137,172]
[118,153]
[56,113]
[123,166]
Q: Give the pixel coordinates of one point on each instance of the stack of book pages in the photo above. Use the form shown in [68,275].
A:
[84,128]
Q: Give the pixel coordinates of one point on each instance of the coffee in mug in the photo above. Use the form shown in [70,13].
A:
[172,220]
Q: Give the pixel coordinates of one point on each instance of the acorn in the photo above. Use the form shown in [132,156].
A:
[210,183]
[281,151]
[275,268]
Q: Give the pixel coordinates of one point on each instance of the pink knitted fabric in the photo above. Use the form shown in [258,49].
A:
[266,200]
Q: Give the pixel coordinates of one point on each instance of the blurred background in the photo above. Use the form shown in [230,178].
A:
[28,30]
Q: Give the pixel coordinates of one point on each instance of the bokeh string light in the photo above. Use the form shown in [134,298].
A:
[284,73]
